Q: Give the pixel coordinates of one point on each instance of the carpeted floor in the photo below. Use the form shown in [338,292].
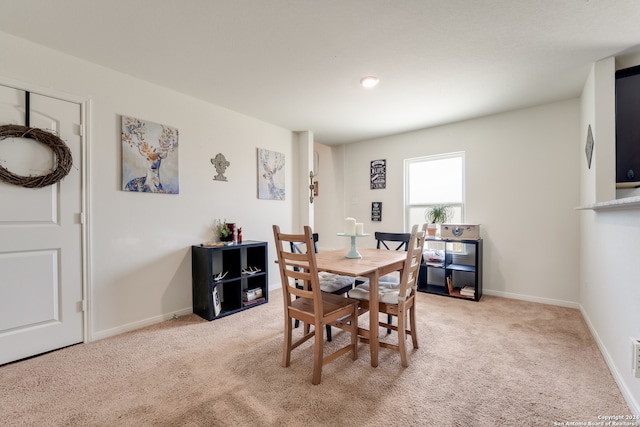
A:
[498,362]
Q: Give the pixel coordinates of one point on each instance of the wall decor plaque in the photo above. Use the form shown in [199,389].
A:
[589,147]
[376,211]
[378,174]
[221,164]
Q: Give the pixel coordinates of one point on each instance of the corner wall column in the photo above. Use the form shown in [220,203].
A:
[305,162]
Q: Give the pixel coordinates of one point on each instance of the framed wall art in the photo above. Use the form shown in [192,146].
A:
[271,184]
[149,157]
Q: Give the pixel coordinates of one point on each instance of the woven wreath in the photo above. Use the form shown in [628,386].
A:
[63,160]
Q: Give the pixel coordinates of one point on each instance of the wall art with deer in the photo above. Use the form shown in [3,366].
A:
[146,146]
[270,175]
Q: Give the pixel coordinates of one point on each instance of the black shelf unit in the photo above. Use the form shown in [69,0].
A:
[208,262]
[461,266]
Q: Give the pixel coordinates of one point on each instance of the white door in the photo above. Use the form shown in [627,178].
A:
[41,288]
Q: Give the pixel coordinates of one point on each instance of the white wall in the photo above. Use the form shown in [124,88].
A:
[609,272]
[328,206]
[302,167]
[521,186]
[140,270]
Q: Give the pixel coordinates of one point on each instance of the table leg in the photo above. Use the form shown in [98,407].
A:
[373,317]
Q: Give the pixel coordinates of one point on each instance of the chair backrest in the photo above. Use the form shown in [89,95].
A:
[294,266]
[393,239]
[296,246]
[411,270]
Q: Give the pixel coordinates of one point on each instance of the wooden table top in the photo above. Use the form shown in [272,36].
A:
[372,259]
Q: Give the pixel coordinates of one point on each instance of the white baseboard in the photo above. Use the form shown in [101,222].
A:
[560,303]
[273,286]
[139,324]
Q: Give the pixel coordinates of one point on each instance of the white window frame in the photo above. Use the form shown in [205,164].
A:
[408,206]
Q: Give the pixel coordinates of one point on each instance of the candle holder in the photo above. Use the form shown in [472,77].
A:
[353,252]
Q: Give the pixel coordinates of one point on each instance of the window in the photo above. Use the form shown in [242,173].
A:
[434,180]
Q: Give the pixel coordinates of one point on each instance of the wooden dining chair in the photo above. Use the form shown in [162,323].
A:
[329,282]
[398,299]
[309,304]
[399,240]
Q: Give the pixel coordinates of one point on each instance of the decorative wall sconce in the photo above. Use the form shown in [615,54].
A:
[221,164]
[312,187]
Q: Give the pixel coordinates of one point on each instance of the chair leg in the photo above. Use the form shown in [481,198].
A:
[389,321]
[329,333]
[286,351]
[299,286]
[412,322]
[402,335]
[354,333]
[317,355]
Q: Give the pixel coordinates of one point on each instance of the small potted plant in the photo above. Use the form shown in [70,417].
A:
[222,230]
[436,216]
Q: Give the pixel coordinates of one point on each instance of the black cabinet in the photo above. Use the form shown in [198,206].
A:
[236,276]
[452,267]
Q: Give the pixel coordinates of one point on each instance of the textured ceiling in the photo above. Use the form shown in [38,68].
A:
[297,63]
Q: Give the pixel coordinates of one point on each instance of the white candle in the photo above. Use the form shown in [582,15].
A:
[359,229]
[349,226]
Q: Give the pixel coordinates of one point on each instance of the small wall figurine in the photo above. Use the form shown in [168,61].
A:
[221,164]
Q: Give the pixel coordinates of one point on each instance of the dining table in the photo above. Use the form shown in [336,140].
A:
[373,264]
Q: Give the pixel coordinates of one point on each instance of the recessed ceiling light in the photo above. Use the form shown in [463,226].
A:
[369,81]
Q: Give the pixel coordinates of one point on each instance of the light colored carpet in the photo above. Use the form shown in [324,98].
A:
[497,362]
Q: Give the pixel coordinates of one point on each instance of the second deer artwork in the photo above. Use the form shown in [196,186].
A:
[270,175]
